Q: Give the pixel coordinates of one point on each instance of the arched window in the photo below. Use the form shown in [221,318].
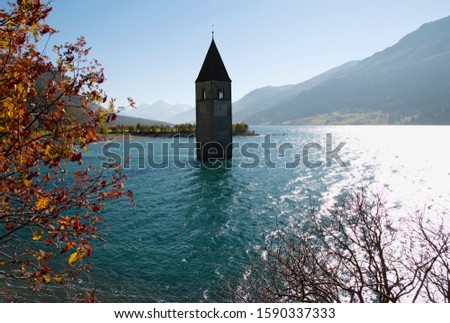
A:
[220,94]
[204,94]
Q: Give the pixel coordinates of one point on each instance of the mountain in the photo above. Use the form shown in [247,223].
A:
[269,96]
[160,110]
[408,83]
[128,121]
[187,116]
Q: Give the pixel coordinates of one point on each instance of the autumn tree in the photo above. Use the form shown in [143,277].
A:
[353,252]
[50,202]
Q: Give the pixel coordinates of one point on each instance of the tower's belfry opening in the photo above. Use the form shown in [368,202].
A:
[213,108]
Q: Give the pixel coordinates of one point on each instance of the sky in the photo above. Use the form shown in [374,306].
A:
[153,49]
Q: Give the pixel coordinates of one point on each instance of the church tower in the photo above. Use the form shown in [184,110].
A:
[213,108]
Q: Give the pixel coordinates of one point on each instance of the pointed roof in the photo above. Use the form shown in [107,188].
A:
[213,68]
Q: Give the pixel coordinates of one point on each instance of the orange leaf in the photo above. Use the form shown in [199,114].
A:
[42,203]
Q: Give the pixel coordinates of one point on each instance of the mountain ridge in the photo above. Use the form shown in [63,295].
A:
[162,110]
[407,83]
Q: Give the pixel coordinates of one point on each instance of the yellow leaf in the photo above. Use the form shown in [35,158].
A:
[59,279]
[74,258]
[37,235]
[47,279]
[8,103]
[102,115]
[50,151]
[42,203]
[27,182]
[47,149]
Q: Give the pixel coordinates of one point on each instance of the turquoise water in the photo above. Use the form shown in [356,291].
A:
[187,237]
[189,232]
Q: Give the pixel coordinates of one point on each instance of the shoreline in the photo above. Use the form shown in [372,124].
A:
[155,135]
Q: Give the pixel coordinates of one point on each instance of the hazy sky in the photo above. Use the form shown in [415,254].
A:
[153,49]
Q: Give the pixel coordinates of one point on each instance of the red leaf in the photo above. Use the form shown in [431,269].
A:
[45,270]
[76,157]
[9,226]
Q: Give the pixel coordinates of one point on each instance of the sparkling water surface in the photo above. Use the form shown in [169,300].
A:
[187,237]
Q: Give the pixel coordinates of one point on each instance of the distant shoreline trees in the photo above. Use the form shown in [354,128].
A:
[240,128]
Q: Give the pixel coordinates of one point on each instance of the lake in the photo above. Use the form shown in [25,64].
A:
[188,234]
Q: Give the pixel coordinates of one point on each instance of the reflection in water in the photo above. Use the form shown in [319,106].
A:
[208,224]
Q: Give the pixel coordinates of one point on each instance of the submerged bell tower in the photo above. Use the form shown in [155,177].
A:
[213,108]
